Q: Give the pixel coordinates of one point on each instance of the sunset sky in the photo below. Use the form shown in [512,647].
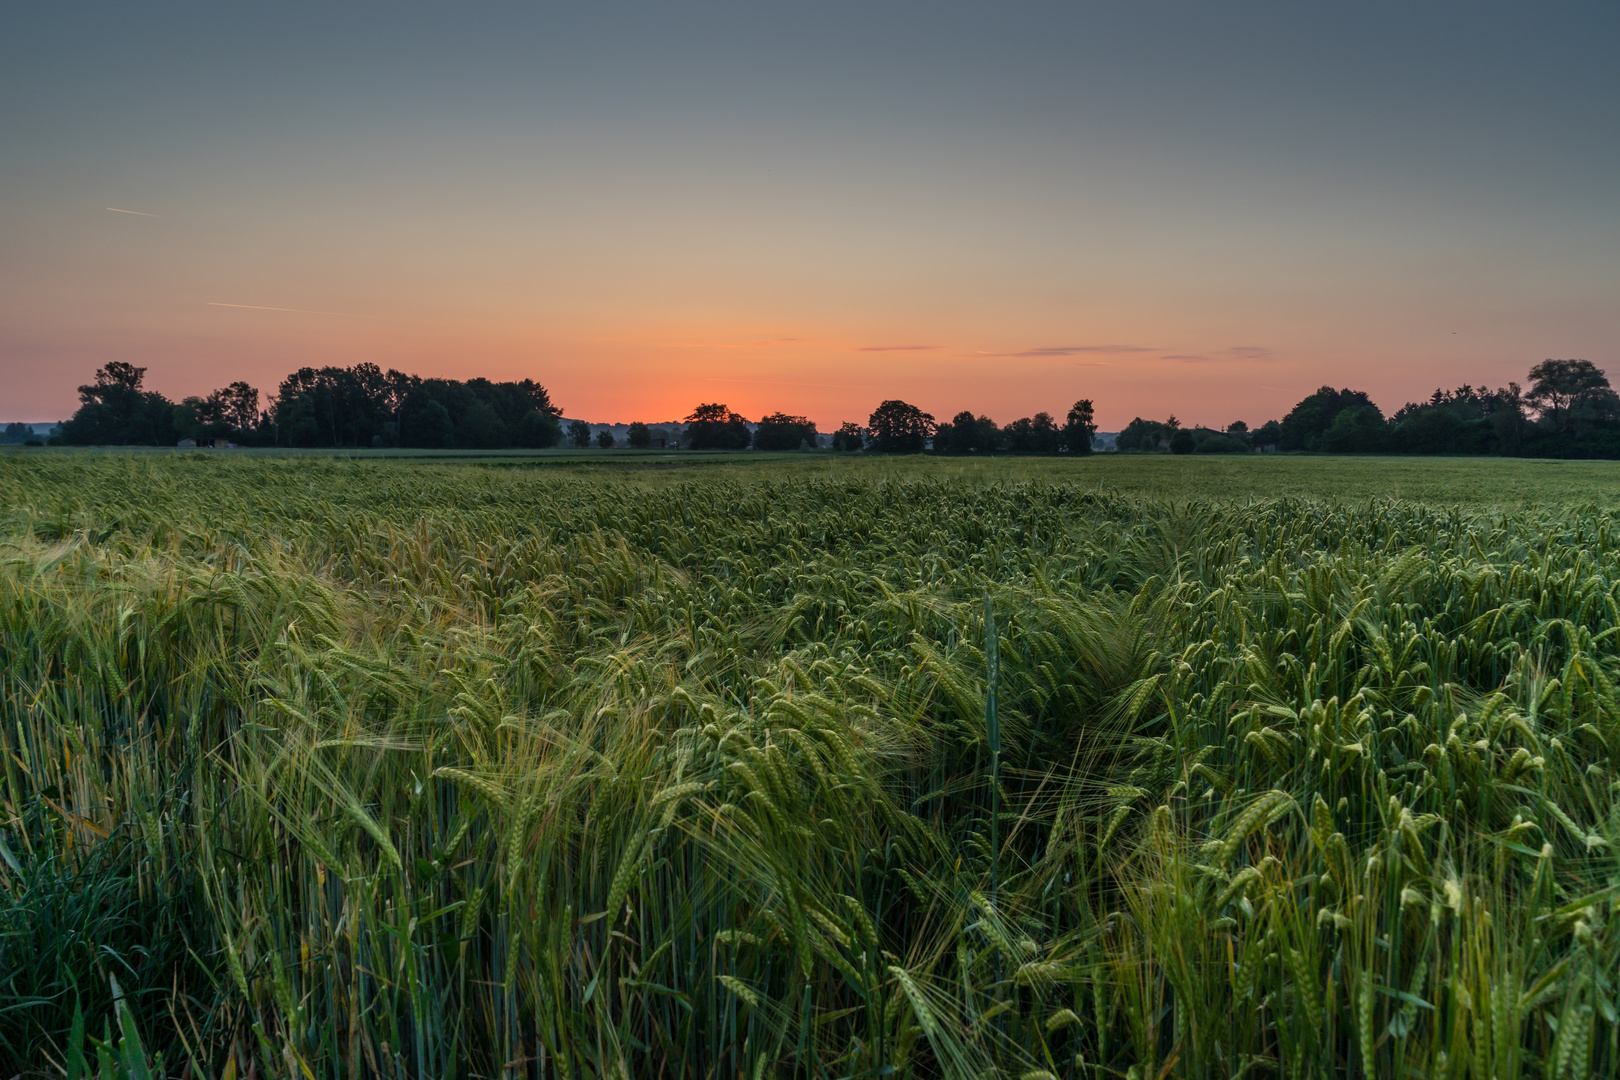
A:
[1200,209]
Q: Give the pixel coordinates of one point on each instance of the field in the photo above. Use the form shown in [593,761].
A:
[664,766]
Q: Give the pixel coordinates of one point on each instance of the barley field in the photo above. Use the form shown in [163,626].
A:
[808,767]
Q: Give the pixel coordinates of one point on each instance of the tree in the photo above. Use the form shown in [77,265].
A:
[604,438]
[1080,428]
[779,431]
[17,433]
[899,428]
[1302,428]
[115,411]
[1359,430]
[579,433]
[481,427]
[716,427]
[1183,442]
[427,425]
[1268,434]
[1036,434]
[848,437]
[539,430]
[639,436]
[1565,392]
[1145,435]
[968,434]
[1221,444]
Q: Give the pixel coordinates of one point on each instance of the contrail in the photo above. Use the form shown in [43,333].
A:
[142,213]
[298,310]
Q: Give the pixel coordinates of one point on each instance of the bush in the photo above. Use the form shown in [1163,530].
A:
[1222,444]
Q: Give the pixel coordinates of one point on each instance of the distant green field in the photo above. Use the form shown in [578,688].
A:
[606,764]
[1506,482]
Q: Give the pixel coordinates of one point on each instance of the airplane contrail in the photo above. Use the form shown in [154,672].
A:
[298,310]
[141,213]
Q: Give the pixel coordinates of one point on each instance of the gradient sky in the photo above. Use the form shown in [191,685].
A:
[1200,209]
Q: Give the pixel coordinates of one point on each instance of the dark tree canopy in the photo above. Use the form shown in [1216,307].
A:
[848,437]
[1038,434]
[638,435]
[779,431]
[579,433]
[604,438]
[967,434]
[899,428]
[1303,427]
[1080,427]
[716,427]
[115,411]
[1570,393]
[366,406]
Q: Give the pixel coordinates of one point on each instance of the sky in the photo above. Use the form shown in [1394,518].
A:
[1205,210]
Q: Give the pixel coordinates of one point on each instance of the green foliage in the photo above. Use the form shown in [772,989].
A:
[639,436]
[349,768]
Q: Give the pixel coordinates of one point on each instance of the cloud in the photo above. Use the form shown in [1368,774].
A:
[138,213]
[1072,350]
[895,348]
[1237,352]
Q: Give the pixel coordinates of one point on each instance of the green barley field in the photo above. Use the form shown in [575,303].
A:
[666,765]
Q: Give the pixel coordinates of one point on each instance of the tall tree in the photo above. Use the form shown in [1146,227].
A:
[1565,392]
[579,433]
[898,427]
[714,426]
[115,411]
[639,435]
[1304,425]
[1080,428]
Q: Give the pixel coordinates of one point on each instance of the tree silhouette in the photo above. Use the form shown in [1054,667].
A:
[899,428]
[1080,427]
[779,431]
[1563,390]
[848,437]
[716,427]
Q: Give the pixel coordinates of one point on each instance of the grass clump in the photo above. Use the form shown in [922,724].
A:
[336,768]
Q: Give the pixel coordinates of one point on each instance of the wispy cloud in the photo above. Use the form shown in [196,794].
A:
[138,213]
[895,348]
[296,310]
[1072,350]
[1237,352]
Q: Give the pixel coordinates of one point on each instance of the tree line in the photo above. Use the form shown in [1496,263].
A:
[1569,410]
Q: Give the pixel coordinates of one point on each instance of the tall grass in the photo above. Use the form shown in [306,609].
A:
[348,769]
